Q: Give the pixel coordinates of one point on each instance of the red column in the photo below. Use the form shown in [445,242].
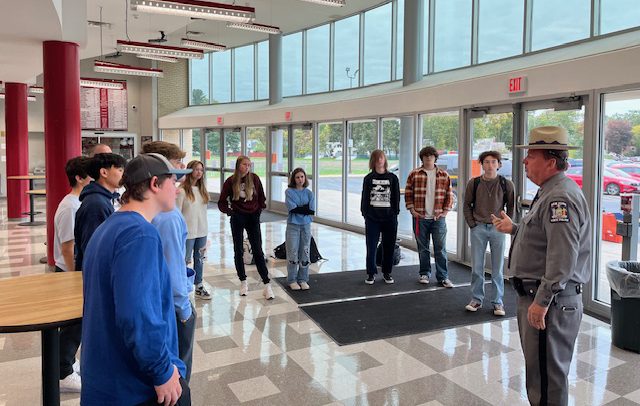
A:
[16,119]
[61,66]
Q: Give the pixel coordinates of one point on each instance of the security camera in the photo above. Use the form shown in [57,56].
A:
[134,107]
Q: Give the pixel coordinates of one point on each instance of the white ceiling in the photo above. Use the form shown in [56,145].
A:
[25,24]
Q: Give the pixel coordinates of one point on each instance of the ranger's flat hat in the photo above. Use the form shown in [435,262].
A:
[549,137]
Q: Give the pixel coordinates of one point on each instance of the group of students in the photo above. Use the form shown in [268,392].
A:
[429,198]
[136,260]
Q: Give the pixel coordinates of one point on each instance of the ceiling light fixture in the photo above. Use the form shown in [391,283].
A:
[132,47]
[196,8]
[268,29]
[109,67]
[203,45]
[101,84]
[158,58]
[334,3]
[36,89]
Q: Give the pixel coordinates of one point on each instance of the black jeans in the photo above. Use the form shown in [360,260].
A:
[185,340]
[70,337]
[389,231]
[251,223]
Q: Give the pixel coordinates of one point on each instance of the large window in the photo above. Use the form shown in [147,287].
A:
[400,39]
[263,69]
[318,59]
[221,77]
[362,138]
[452,34]
[620,128]
[346,66]
[618,15]
[292,64]
[200,81]
[243,73]
[377,45]
[257,150]
[329,179]
[499,24]
[558,22]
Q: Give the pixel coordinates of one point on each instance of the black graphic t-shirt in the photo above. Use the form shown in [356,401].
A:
[380,196]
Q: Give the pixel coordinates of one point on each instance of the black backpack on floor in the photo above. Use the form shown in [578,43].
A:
[280,251]
[397,255]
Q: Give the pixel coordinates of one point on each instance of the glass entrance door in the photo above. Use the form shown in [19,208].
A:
[490,129]
[232,148]
[213,161]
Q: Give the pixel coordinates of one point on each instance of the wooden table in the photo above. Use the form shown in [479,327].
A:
[32,211]
[43,303]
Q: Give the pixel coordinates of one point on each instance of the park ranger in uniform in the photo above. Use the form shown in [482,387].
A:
[549,263]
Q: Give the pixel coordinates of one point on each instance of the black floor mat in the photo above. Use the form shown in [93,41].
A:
[350,284]
[377,318]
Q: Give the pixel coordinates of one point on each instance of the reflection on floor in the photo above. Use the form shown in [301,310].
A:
[258,352]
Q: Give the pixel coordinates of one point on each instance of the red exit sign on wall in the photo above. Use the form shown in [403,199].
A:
[518,85]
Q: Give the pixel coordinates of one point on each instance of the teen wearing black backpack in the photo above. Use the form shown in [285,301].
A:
[485,195]
[380,206]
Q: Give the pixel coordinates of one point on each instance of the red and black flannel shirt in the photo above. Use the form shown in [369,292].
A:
[416,190]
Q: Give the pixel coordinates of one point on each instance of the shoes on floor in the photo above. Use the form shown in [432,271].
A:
[304,286]
[424,279]
[473,306]
[446,283]
[202,293]
[72,383]
[294,286]
[370,280]
[498,310]
[387,278]
[267,292]
[244,287]
[76,367]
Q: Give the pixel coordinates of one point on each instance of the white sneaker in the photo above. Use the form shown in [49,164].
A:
[267,292]
[202,293]
[71,384]
[76,367]
[424,279]
[294,286]
[304,286]
[244,287]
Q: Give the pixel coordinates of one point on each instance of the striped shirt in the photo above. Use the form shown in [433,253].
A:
[416,191]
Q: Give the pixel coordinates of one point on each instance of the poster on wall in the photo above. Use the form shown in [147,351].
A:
[104,108]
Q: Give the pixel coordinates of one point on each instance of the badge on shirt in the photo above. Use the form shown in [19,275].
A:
[559,212]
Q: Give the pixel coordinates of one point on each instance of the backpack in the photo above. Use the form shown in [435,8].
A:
[397,255]
[503,186]
[280,251]
[247,254]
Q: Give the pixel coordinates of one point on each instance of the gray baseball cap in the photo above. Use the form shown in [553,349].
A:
[146,166]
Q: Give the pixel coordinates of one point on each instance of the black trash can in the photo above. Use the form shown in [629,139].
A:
[624,279]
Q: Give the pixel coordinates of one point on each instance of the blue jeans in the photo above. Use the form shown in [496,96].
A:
[423,229]
[297,243]
[480,236]
[197,247]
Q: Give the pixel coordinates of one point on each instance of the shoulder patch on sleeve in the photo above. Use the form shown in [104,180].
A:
[559,212]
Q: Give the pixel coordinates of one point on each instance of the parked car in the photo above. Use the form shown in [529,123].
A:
[614,181]
[632,170]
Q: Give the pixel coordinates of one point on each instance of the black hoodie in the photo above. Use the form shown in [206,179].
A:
[380,196]
[96,206]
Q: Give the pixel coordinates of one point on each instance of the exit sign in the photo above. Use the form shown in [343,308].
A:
[219,120]
[287,116]
[518,85]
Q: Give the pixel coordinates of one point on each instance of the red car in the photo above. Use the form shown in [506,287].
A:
[632,170]
[614,181]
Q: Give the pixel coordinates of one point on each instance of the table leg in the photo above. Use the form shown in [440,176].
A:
[32,207]
[50,367]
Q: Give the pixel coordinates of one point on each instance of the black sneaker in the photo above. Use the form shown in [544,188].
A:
[370,279]
[387,278]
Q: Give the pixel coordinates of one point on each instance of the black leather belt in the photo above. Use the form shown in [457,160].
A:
[529,287]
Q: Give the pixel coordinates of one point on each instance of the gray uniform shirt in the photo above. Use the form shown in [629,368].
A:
[553,242]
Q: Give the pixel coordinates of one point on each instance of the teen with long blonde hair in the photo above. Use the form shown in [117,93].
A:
[242,198]
[192,202]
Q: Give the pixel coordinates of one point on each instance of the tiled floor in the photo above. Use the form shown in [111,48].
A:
[257,352]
